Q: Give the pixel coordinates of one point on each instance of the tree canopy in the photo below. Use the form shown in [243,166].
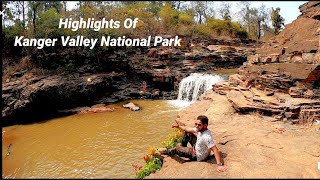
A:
[40,19]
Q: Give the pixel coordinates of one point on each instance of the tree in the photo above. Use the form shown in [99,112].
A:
[64,6]
[169,16]
[155,6]
[7,15]
[48,24]
[245,14]
[261,17]
[253,19]
[20,9]
[202,10]
[176,4]
[224,11]
[33,13]
[52,4]
[277,20]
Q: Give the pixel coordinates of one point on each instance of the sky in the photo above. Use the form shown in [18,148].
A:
[289,10]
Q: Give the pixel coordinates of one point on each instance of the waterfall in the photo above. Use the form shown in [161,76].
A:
[191,87]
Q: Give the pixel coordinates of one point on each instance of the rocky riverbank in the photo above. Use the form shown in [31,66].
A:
[252,145]
[266,118]
[34,97]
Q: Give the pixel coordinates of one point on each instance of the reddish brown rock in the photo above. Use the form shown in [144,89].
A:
[299,36]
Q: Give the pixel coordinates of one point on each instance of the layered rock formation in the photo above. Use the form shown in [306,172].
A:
[166,67]
[25,101]
[283,79]
[297,43]
[118,77]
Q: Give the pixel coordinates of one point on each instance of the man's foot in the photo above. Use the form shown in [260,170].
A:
[167,151]
[162,151]
[171,151]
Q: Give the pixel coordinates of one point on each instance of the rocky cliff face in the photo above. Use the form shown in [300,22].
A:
[39,98]
[297,43]
[282,79]
[166,67]
[117,77]
[300,36]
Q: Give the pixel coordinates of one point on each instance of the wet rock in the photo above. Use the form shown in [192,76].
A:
[131,106]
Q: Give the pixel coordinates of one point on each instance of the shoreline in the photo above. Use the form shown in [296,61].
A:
[246,141]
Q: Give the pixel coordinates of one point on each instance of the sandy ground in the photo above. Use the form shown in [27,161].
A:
[252,146]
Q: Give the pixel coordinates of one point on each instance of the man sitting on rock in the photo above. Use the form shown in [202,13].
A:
[204,143]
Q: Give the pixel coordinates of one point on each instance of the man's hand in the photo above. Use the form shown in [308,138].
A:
[175,125]
[222,168]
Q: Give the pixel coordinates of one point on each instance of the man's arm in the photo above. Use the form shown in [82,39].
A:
[186,129]
[216,152]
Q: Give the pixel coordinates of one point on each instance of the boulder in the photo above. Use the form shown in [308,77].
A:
[308,58]
[131,106]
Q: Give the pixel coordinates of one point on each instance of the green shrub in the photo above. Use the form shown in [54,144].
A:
[48,24]
[184,30]
[151,166]
[70,68]
[238,31]
[154,163]
[185,19]
[174,139]
[145,62]
[202,29]
[218,27]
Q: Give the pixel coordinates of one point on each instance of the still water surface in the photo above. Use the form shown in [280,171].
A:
[98,145]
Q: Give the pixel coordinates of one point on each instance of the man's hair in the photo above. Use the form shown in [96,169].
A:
[203,119]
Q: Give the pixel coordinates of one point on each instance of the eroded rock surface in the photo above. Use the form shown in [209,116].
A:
[300,36]
[252,145]
[27,99]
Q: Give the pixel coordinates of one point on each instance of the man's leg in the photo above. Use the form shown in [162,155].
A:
[181,148]
[188,138]
[182,151]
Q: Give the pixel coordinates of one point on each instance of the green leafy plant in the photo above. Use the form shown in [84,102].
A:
[70,68]
[145,62]
[151,166]
[153,162]
[174,139]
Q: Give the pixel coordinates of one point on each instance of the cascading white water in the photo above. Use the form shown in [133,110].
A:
[191,87]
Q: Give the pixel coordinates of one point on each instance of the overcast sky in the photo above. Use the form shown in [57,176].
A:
[289,9]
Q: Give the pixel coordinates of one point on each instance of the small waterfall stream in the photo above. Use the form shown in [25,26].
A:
[191,87]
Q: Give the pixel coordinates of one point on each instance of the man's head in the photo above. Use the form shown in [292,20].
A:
[201,123]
